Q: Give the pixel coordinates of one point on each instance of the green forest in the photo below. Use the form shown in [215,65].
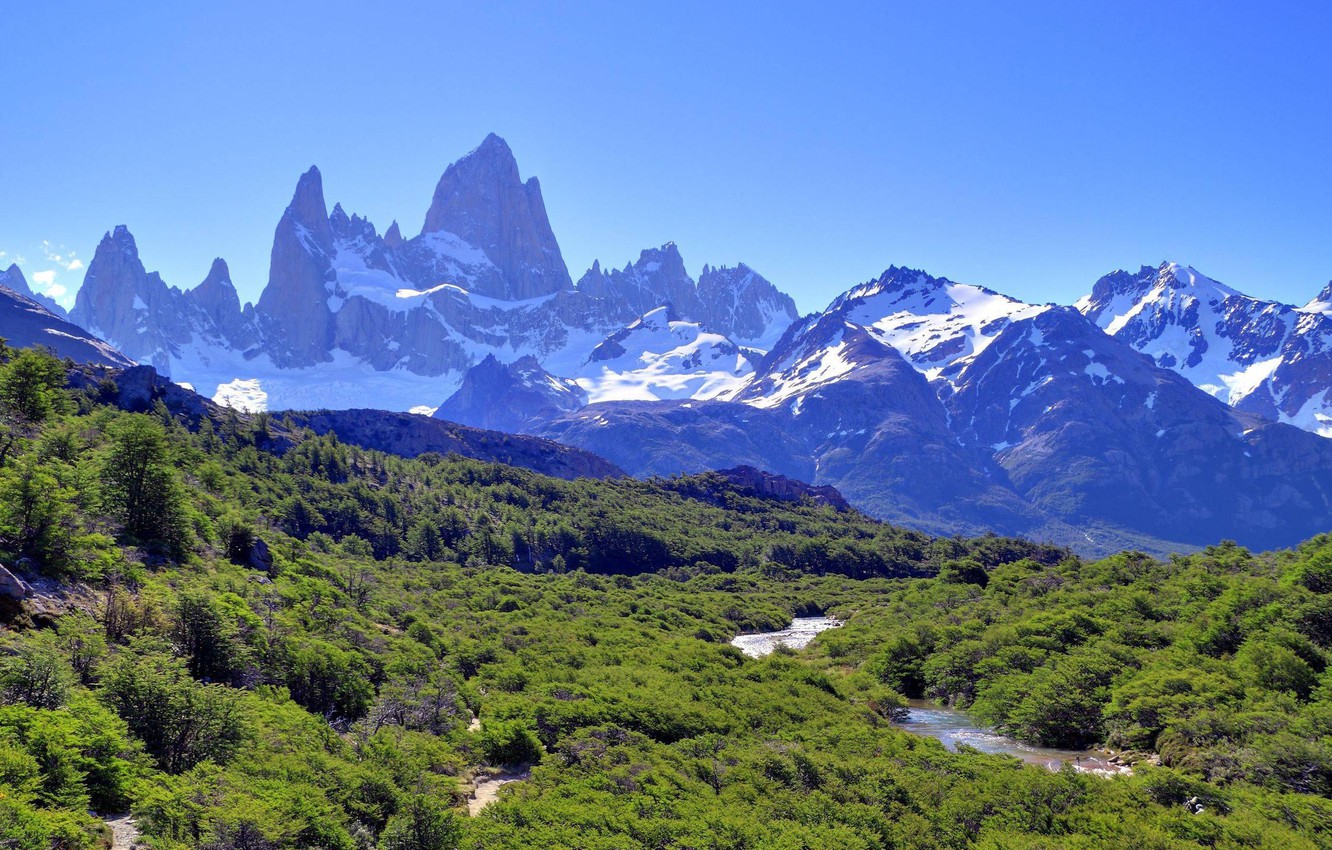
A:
[252,637]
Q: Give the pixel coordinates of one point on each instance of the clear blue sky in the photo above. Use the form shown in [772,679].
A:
[1029,147]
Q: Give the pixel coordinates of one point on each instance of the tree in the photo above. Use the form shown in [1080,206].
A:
[181,722]
[36,518]
[32,386]
[37,674]
[140,487]
[421,823]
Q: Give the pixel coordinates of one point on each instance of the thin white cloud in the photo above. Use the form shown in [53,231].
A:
[57,291]
[67,260]
[44,279]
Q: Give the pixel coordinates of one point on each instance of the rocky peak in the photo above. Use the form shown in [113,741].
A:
[740,303]
[1322,303]
[510,397]
[127,306]
[307,208]
[482,200]
[780,488]
[216,297]
[393,236]
[293,310]
[14,279]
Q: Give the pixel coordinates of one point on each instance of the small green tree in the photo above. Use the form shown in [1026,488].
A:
[422,823]
[140,487]
[181,722]
[37,674]
[32,386]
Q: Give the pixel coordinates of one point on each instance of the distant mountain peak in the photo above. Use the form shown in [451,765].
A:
[482,200]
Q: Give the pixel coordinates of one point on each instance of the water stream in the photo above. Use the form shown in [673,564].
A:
[948,725]
[795,636]
[954,727]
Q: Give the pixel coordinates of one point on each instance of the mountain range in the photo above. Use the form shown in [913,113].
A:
[1154,413]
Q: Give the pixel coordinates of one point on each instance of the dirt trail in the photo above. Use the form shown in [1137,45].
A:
[124,832]
[485,789]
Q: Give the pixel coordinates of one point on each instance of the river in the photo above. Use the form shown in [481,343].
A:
[954,727]
[948,725]
[795,636]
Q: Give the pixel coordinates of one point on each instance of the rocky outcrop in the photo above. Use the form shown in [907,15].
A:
[293,311]
[13,278]
[783,489]
[11,587]
[260,557]
[25,323]
[482,200]
[510,397]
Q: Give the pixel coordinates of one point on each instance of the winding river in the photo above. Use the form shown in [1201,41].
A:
[948,725]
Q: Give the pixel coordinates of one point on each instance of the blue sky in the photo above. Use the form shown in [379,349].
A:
[1029,147]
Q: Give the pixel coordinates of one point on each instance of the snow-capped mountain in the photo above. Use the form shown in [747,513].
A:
[942,405]
[661,356]
[1260,356]
[952,408]
[346,308]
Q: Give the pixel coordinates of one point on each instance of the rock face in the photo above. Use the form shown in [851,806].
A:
[294,313]
[13,278]
[11,587]
[741,304]
[510,397]
[24,323]
[482,200]
[783,489]
[1260,356]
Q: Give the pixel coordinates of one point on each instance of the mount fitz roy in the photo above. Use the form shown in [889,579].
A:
[346,307]
[1148,415]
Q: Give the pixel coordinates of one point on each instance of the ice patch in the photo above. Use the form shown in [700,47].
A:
[243,394]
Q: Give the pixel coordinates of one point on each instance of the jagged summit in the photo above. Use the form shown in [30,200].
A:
[1322,302]
[482,200]
[13,278]
[307,207]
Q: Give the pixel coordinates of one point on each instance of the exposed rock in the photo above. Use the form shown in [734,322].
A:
[24,322]
[259,557]
[740,303]
[509,398]
[217,300]
[11,586]
[482,200]
[783,489]
[294,313]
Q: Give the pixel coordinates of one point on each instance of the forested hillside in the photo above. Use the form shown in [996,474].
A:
[257,643]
